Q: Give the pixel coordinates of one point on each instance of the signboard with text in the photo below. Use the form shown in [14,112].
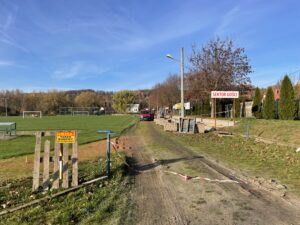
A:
[187,106]
[224,94]
[65,137]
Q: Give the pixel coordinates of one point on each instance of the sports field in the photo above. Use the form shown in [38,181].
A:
[87,126]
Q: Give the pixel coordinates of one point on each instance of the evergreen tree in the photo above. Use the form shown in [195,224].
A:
[256,108]
[287,100]
[297,107]
[237,108]
[269,105]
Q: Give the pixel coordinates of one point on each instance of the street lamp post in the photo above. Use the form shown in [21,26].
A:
[181,81]
[181,78]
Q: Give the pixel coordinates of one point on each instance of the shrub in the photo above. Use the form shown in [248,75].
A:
[269,105]
[287,100]
[256,108]
[237,108]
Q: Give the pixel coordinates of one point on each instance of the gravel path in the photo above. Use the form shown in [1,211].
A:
[160,197]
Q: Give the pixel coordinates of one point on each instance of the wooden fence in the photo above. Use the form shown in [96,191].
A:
[60,173]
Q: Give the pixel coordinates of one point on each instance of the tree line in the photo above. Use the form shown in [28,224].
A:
[50,102]
[286,107]
[217,65]
[220,65]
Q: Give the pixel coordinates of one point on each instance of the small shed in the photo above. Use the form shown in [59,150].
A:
[8,128]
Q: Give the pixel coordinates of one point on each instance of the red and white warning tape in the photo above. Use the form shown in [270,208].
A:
[186,177]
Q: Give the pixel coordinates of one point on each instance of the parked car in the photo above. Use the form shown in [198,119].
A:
[146,115]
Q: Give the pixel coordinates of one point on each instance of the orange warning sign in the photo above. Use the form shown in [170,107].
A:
[65,137]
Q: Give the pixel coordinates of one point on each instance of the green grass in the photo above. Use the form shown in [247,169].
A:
[284,131]
[257,159]
[104,202]
[87,126]
[269,161]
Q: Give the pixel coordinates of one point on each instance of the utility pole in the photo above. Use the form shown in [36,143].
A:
[181,77]
[181,80]
[5,105]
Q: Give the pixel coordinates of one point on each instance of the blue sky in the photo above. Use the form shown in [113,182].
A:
[114,45]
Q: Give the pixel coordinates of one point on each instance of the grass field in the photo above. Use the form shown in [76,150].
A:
[87,126]
[257,159]
[104,202]
[283,131]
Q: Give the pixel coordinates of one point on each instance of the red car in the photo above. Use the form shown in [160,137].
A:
[146,115]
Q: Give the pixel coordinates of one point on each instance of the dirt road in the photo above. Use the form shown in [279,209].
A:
[160,197]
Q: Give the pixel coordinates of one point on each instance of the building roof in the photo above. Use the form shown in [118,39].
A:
[276,92]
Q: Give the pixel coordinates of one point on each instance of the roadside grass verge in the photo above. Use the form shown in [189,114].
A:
[256,159]
[104,202]
[87,126]
[282,131]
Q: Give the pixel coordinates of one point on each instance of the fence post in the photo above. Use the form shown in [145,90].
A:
[75,162]
[36,166]
[108,133]
[247,131]
[108,153]
[65,182]
[55,184]
[46,165]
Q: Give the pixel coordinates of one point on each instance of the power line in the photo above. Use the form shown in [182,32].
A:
[295,72]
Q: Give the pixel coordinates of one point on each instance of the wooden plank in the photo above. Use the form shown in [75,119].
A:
[34,202]
[55,176]
[36,166]
[46,165]
[65,181]
[75,162]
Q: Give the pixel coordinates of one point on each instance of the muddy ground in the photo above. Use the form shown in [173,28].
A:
[160,197]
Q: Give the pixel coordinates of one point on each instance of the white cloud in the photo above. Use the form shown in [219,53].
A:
[78,70]
[122,29]
[12,43]
[227,20]
[67,72]
[7,23]
[6,63]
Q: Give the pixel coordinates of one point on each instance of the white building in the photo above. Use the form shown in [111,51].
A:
[133,108]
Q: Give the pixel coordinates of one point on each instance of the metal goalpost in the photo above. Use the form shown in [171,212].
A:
[32,114]
[80,113]
[79,110]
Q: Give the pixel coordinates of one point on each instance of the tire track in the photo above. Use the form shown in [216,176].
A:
[162,198]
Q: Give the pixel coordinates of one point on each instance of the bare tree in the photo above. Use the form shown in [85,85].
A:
[88,99]
[220,66]
[52,100]
[167,93]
